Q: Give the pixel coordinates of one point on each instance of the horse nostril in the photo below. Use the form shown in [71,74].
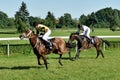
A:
[21,37]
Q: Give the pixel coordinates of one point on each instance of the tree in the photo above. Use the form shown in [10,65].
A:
[11,23]
[116,21]
[35,19]
[21,23]
[75,22]
[104,18]
[83,19]
[61,22]
[92,20]
[50,20]
[21,17]
[3,19]
[68,20]
[5,22]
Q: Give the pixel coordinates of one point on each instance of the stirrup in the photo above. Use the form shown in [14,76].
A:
[50,48]
[91,41]
[50,45]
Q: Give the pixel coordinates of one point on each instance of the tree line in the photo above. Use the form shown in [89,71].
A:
[103,18]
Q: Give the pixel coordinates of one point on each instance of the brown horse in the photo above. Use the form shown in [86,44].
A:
[59,46]
[84,43]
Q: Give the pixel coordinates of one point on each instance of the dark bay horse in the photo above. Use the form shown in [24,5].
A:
[59,46]
[83,43]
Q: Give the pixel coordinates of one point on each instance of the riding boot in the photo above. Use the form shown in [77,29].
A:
[91,41]
[49,45]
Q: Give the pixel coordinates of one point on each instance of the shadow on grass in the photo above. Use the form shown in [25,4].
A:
[21,67]
[67,58]
[64,58]
[87,58]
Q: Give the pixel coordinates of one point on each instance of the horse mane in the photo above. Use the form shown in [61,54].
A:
[33,32]
[74,34]
[79,38]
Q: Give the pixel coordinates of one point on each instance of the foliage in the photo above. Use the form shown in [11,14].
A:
[21,26]
[33,19]
[106,17]
[66,21]
[21,18]
[103,18]
[16,48]
[5,22]
[24,67]
[50,20]
[61,22]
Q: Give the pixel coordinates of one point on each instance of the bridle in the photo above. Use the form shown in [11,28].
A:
[29,34]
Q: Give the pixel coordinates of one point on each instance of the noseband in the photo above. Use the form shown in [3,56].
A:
[29,34]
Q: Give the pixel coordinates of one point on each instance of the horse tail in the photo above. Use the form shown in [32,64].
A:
[106,42]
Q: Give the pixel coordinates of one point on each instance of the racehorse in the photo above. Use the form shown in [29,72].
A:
[84,43]
[59,46]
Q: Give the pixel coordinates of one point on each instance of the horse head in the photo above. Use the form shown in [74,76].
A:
[72,37]
[26,34]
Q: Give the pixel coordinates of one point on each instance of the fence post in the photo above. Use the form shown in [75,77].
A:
[8,48]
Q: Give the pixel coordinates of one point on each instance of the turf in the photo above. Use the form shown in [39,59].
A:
[24,67]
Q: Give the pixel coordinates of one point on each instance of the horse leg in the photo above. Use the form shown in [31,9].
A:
[60,60]
[45,61]
[70,55]
[97,49]
[38,59]
[78,54]
[102,53]
[98,53]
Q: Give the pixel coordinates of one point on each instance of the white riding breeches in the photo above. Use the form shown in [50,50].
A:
[46,35]
[86,33]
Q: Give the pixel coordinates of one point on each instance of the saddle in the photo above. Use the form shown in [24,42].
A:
[89,40]
[48,45]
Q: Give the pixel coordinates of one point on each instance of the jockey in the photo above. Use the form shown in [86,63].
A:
[86,31]
[45,30]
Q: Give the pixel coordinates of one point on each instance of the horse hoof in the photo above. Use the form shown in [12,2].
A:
[72,59]
[39,64]
[61,64]
[75,58]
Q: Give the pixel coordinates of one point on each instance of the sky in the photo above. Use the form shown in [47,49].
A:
[40,8]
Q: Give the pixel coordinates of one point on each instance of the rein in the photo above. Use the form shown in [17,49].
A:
[36,43]
[29,35]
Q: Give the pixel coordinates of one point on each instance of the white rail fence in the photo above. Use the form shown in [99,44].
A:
[65,37]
